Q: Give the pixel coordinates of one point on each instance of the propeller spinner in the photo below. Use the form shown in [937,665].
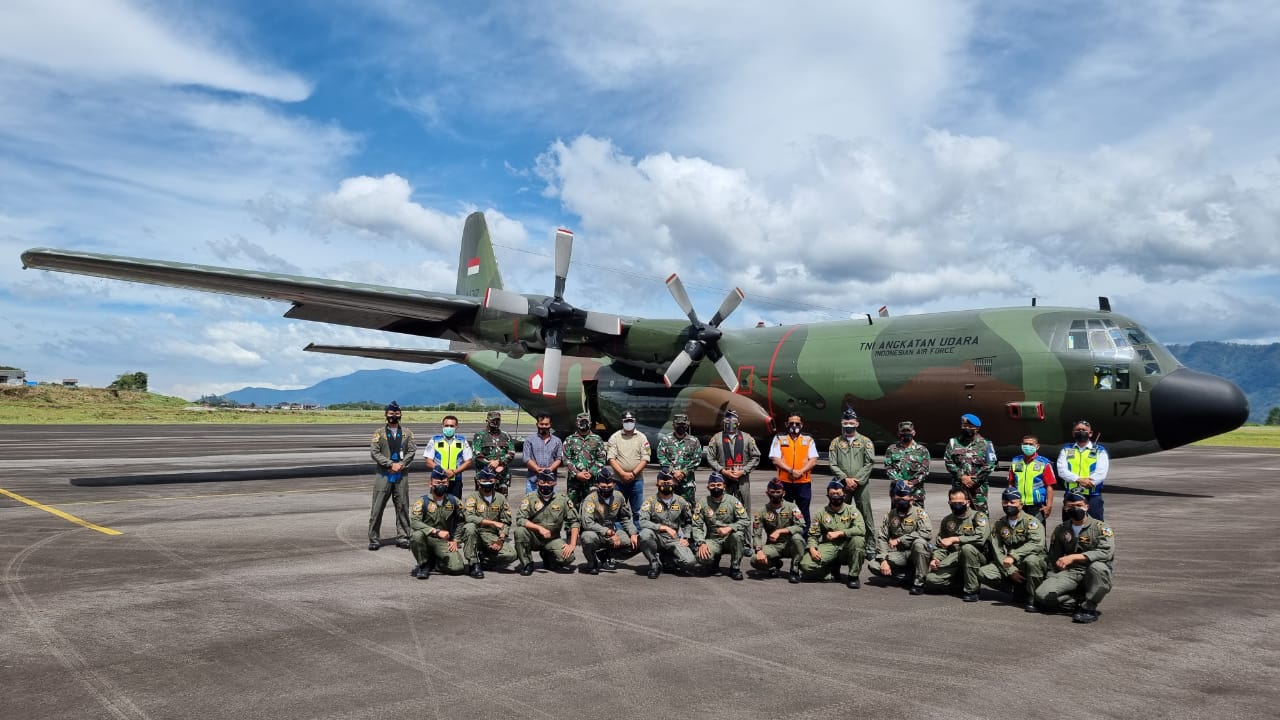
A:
[704,338]
[554,315]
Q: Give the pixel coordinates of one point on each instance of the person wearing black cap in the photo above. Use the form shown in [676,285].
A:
[681,452]
[496,449]
[487,515]
[970,458]
[540,524]
[1081,550]
[852,457]
[720,525]
[779,531]
[628,453]
[584,456]
[906,538]
[836,537]
[908,461]
[666,527]
[435,519]
[961,548]
[392,449]
[734,454]
[608,532]
[1017,540]
[1083,466]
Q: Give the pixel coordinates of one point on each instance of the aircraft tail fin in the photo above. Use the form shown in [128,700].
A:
[477,266]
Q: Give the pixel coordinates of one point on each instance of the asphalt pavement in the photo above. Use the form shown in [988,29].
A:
[238,585]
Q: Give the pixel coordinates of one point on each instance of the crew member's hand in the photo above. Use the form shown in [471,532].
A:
[615,541]
[893,543]
[545,533]
[704,552]
[684,542]
[1008,560]
[567,551]
[760,558]
[668,530]
[396,467]
[722,531]
[773,536]
[933,564]
[495,546]
[442,534]
[835,535]
[813,553]
[885,568]
[635,541]
[453,546]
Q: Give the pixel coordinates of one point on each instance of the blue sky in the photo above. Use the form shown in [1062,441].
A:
[827,158]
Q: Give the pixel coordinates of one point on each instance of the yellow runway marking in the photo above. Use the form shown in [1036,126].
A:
[59,513]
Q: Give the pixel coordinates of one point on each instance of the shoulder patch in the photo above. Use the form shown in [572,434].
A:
[417,506]
[591,507]
[924,516]
[1106,531]
[982,521]
[1032,525]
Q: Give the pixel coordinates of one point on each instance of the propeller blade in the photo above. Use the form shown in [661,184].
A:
[682,298]
[564,250]
[507,302]
[603,323]
[731,303]
[677,368]
[551,372]
[726,373]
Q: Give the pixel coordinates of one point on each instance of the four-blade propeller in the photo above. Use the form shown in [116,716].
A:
[553,315]
[704,338]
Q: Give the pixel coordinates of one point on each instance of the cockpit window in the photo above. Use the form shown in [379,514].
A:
[1078,339]
[1111,377]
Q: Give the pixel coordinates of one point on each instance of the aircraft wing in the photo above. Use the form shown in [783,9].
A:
[414,312]
[425,357]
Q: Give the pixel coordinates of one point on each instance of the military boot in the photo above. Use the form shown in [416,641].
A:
[527,569]
[476,571]
[655,569]
[1086,614]
[422,572]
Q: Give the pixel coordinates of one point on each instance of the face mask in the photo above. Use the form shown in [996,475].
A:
[959,508]
[546,491]
[604,494]
[486,489]
[439,489]
[449,431]
[666,489]
[776,498]
[1011,510]
[629,425]
[835,500]
[715,492]
[795,428]
[1029,450]
[905,437]
[731,426]
[495,425]
[1082,436]
[1077,513]
[848,429]
[966,432]
[682,429]
[584,425]
[544,431]
[902,505]
[393,419]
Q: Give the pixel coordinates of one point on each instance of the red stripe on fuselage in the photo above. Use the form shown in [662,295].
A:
[769,379]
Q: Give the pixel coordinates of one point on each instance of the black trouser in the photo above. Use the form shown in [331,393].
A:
[800,493]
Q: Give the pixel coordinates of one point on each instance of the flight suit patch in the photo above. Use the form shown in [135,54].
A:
[591,507]
[1106,531]
[417,507]
[431,507]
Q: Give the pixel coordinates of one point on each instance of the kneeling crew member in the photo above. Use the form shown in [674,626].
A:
[779,527]
[488,524]
[837,536]
[1018,542]
[666,526]
[906,539]
[1081,550]
[720,525]
[540,524]
[607,530]
[961,548]
[434,519]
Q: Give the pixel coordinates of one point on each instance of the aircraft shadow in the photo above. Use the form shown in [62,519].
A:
[285,473]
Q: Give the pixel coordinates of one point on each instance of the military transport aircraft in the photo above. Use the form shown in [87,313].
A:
[1022,370]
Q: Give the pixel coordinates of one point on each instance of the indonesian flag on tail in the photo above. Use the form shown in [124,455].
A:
[473,266]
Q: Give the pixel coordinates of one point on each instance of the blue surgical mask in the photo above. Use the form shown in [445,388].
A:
[1029,450]
[449,431]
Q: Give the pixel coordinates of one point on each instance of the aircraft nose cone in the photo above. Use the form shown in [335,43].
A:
[1187,406]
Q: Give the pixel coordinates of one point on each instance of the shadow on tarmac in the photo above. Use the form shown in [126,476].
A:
[283,473]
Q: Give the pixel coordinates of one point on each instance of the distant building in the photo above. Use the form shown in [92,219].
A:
[70,382]
[12,376]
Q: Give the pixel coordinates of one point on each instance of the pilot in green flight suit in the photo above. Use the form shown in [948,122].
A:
[435,519]
[1017,544]
[487,515]
[720,525]
[837,537]
[540,524]
[780,527]
[1081,550]
[961,548]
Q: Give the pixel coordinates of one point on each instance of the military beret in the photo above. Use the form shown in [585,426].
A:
[849,414]
[971,419]
[775,484]
[906,425]
[1072,496]
[605,475]
[715,477]
[392,406]
[486,474]
[835,483]
[437,472]
[1011,493]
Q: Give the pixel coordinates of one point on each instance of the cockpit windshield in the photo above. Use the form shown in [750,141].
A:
[1116,351]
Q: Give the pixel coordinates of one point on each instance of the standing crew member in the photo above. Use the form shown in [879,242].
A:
[1032,474]
[906,538]
[494,449]
[487,515]
[961,549]
[734,454]
[451,453]
[1081,550]
[628,452]
[393,450]
[852,457]
[540,524]
[666,525]
[1017,540]
[1083,467]
[779,527]
[681,452]
[435,520]
[908,461]
[970,458]
[794,454]
[584,456]
[836,537]
[542,453]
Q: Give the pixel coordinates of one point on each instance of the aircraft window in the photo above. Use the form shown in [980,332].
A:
[1137,336]
[1078,340]
[1119,339]
[1111,377]
[1095,324]
[1077,325]
[1122,377]
[1108,323]
[1100,340]
[1151,368]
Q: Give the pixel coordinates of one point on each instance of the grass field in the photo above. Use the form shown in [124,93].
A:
[1265,436]
[56,405]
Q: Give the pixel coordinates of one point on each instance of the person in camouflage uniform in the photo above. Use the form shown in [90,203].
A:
[779,529]
[970,458]
[961,549]
[1017,544]
[488,524]
[540,524]
[607,530]
[1081,549]
[682,454]
[584,455]
[435,518]
[906,537]
[495,449]
[852,457]
[720,525]
[666,527]
[836,537]
[908,461]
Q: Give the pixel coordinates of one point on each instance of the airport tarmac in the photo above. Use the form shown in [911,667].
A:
[239,586]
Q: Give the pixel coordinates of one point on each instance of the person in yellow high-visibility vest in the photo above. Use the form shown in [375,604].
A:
[794,454]
[1083,467]
[450,451]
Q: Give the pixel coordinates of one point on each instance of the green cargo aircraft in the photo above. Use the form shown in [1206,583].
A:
[1022,370]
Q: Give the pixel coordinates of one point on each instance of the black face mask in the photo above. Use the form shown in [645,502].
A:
[393,419]
[584,425]
[486,488]
[439,489]
[682,429]
[903,504]
[776,499]
[715,492]
[959,508]
[849,430]
[495,425]
[666,489]
[731,426]
[1077,513]
[604,494]
[544,431]
[905,437]
[1012,510]
[966,432]
[836,501]
[795,428]
[546,491]
[1081,436]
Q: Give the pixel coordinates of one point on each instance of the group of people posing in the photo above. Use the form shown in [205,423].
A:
[604,509]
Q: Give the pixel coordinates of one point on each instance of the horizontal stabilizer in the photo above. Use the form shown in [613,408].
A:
[424,357]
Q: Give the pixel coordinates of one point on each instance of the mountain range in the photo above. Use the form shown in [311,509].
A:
[1255,368]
